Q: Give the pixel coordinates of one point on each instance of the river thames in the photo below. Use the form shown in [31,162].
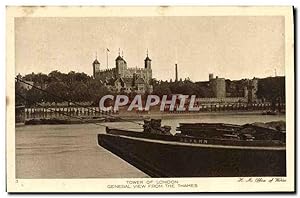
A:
[71,151]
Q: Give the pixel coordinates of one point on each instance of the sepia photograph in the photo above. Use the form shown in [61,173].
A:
[150,99]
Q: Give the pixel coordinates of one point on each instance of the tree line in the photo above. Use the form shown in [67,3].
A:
[80,87]
[73,86]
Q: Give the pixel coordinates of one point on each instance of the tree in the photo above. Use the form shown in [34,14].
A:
[78,91]
[204,90]
[57,92]
[162,89]
[34,96]
[273,90]
[96,90]
[56,76]
[20,94]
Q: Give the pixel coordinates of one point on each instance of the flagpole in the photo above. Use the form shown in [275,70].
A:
[107,58]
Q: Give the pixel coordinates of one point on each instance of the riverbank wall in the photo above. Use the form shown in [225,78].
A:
[77,115]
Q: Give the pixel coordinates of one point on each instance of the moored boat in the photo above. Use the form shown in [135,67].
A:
[223,150]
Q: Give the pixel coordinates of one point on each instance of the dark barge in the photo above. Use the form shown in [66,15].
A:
[201,150]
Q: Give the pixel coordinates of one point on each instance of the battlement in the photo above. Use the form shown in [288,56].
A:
[107,70]
[134,69]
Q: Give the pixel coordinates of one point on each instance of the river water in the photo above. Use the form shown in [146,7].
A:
[71,151]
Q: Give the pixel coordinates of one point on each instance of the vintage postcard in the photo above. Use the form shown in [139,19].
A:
[150,99]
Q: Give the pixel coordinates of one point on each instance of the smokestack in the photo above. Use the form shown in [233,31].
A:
[176,73]
[211,76]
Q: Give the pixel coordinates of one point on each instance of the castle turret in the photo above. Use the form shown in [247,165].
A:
[96,68]
[147,62]
[218,86]
[121,65]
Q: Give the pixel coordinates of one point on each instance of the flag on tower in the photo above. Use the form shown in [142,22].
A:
[107,49]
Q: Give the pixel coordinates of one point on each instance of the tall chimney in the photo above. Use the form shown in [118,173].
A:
[176,73]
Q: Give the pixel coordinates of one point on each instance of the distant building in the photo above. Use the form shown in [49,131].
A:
[218,86]
[123,79]
[250,90]
[246,88]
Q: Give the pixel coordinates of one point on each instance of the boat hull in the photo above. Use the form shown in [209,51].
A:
[161,158]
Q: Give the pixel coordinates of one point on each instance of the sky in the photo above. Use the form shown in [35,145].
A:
[232,47]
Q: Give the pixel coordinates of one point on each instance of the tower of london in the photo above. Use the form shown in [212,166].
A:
[123,79]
